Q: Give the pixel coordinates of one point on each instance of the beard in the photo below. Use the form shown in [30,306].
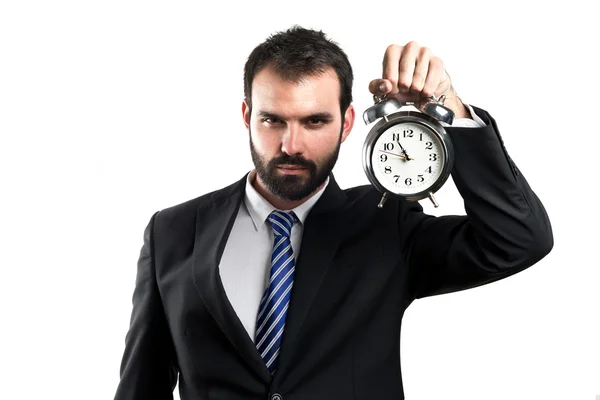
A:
[293,187]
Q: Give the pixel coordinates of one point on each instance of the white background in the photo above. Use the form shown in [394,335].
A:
[112,110]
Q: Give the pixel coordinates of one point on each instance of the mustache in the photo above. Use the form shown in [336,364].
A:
[293,160]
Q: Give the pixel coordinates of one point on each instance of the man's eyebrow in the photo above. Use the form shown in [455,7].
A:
[318,115]
[266,114]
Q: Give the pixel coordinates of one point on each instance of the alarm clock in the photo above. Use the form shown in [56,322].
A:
[407,153]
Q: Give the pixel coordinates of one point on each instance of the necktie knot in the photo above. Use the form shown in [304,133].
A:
[282,222]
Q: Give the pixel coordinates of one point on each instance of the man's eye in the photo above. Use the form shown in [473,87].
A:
[271,121]
[316,121]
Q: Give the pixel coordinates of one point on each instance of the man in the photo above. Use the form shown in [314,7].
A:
[284,286]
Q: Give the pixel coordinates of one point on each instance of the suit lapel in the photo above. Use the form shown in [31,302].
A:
[214,221]
[320,241]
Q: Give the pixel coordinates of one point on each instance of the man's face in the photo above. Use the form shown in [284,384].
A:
[295,131]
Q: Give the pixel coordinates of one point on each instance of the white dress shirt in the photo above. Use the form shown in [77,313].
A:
[246,262]
[245,265]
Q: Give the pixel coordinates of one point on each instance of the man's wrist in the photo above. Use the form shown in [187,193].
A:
[455,104]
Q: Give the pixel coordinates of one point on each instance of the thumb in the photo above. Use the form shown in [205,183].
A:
[380,86]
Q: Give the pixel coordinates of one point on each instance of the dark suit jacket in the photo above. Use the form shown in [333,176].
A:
[359,269]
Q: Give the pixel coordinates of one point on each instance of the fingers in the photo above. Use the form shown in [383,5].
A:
[406,66]
[411,69]
[391,61]
[435,76]
[422,70]
[380,86]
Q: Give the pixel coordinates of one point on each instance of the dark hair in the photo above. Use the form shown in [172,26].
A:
[297,53]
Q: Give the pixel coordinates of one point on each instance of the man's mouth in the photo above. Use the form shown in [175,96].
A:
[287,168]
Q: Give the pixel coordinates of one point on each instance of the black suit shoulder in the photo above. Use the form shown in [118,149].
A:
[175,226]
[358,192]
[178,214]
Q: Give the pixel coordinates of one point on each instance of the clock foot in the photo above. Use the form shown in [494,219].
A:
[435,204]
[382,201]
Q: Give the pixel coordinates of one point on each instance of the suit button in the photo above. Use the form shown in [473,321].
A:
[276,396]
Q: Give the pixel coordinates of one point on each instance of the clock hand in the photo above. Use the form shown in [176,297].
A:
[407,157]
[394,154]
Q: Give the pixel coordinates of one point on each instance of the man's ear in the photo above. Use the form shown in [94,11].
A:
[348,121]
[246,113]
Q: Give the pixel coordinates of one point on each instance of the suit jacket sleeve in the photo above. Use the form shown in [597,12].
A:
[147,368]
[506,228]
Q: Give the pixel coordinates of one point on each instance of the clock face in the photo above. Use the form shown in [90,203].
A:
[408,158]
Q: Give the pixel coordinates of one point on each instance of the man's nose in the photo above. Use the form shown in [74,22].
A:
[293,139]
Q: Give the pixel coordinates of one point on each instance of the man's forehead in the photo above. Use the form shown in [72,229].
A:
[311,94]
[295,76]
[268,80]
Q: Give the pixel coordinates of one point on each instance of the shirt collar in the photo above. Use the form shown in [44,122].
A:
[259,208]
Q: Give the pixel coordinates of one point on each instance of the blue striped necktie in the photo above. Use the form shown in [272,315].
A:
[273,307]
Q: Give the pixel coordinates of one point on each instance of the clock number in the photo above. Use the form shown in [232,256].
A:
[428,169]
[383,158]
[432,157]
[420,178]
[388,146]
[408,181]
[420,137]
[408,133]
[388,170]
[397,177]
[395,136]
[429,145]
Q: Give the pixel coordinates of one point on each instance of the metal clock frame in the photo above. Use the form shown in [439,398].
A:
[396,118]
